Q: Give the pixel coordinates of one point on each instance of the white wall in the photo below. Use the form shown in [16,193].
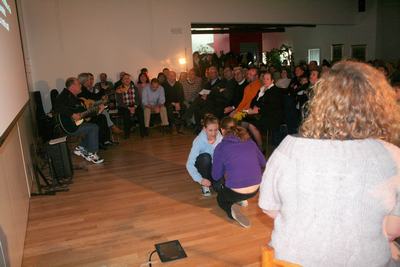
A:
[323,36]
[65,37]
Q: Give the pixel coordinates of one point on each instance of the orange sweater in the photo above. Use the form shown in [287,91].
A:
[249,93]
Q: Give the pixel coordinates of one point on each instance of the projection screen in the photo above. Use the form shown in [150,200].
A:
[13,85]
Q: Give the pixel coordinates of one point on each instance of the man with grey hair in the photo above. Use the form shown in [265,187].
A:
[93,95]
[238,90]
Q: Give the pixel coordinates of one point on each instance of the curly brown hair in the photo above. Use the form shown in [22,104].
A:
[353,101]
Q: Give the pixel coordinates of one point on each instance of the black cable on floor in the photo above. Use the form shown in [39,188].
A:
[151,254]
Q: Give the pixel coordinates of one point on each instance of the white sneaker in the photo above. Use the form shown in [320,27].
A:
[243,203]
[80,151]
[205,190]
[240,217]
[93,157]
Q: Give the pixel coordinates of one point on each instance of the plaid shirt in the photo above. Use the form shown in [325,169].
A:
[129,97]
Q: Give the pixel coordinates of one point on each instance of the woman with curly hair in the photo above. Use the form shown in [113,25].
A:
[334,190]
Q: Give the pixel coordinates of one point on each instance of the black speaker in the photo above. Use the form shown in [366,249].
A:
[60,158]
[44,123]
[361,5]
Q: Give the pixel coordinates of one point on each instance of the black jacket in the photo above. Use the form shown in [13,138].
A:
[173,94]
[238,92]
[217,100]
[67,104]
[271,108]
[89,95]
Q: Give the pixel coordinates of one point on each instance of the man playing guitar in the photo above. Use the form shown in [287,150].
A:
[91,94]
[68,105]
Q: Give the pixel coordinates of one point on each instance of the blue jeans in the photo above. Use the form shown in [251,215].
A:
[90,140]
[204,167]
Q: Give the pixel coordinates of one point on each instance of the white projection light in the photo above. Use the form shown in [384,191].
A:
[4,7]
[182,61]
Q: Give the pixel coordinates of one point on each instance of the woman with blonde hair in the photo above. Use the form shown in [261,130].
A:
[199,162]
[334,191]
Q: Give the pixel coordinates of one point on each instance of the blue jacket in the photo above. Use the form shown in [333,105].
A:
[200,145]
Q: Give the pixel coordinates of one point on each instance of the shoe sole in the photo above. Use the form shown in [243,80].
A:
[93,161]
[239,216]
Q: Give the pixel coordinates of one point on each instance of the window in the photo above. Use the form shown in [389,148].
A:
[359,52]
[203,43]
[336,52]
[313,55]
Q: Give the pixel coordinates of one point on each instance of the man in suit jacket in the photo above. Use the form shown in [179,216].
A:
[216,101]
[174,101]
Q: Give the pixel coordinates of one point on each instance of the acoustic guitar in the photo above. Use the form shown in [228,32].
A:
[70,126]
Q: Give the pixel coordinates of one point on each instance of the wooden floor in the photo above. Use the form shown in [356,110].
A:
[115,212]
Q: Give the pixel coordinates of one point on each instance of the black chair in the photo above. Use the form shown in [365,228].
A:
[53,96]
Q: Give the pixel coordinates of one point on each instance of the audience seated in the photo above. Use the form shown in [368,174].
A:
[96,94]
[349,141]
[213,101]
[153,101]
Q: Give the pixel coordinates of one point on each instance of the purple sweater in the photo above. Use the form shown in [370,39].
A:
[241,163]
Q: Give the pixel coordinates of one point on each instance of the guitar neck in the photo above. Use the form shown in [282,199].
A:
[89,111]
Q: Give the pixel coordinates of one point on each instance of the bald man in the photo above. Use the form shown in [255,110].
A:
[174,98]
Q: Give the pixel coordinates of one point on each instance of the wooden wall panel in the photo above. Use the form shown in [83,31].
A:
[14,195]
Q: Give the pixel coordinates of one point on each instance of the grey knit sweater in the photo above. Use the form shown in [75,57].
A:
[332,197]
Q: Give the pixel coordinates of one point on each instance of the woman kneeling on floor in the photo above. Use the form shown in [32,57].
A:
[200,158]
[238,160]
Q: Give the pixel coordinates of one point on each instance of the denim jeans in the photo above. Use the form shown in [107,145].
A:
[90,140]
